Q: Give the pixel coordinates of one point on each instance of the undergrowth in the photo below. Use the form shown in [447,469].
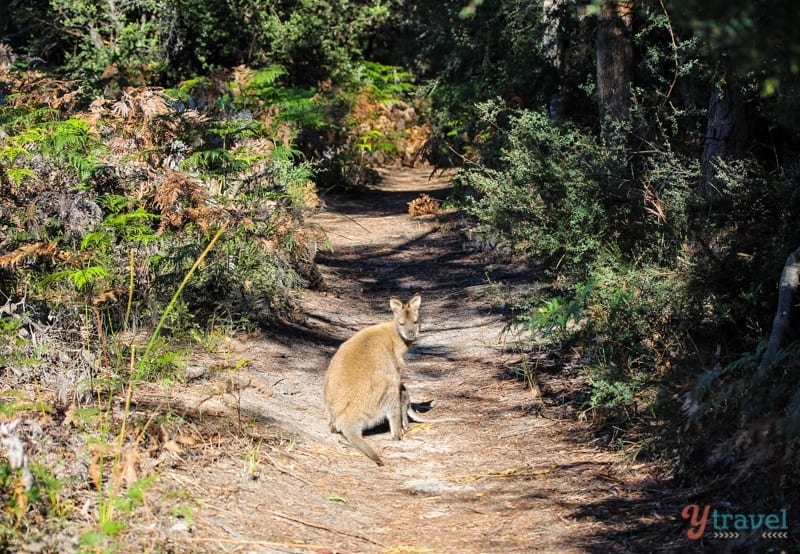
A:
[134,227]
[663,296]
[155,184]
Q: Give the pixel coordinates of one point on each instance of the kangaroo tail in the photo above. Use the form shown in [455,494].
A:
[354,437]
[419,418]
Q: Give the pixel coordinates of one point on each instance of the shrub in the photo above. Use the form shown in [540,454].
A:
[555,191]
[106,214]
[614,233]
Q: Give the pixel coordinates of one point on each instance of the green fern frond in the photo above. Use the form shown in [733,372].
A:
[96,240]
[259,86]
[79,278]
[283,153]
[266,77]
[20,175]
[27,140]
[299,109]
[135,226]
[241,128]
[386,81]
[20,118]
[114,203]
[215,160]
[69,143]
[11,150]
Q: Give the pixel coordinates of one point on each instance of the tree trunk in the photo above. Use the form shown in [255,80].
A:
[614,62]
[554,12]
[726,135]
[790,278]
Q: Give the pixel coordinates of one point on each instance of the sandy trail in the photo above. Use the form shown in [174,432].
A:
[515,475]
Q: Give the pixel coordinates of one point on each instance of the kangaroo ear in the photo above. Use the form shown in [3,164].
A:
[415,301]
[396,304]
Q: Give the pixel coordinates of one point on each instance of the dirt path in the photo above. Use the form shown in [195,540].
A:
[254,468]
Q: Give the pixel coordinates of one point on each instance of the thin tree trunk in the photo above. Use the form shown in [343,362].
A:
[614,62]
[726,135]
[554,45]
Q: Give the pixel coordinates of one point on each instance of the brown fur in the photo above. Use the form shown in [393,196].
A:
[363,380]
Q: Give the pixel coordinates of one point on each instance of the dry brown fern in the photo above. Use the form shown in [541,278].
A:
[178,186]
[309,196]
[40,249]
[181,199]
[36,88]
[204,216]
[424,205]
[140,103]
[242,78]
[7,57]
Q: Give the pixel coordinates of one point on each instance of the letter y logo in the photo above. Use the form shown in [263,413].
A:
[697,523]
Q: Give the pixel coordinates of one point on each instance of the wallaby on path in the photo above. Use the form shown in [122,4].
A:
[363,381]
[410,412]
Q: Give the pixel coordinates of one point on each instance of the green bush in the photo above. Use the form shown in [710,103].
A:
[555,191]
[106,213]
[124,43]
[651,278]
[614,235]
[471,58]
[112,45]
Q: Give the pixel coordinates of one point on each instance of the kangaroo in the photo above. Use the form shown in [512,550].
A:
[363,380]
[409,413]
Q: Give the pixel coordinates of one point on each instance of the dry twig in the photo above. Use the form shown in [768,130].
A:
[358,536]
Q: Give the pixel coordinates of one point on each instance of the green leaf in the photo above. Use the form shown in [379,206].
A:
[112,527]
[92,539]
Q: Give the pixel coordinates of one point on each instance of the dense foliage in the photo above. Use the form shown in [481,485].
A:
[163,41]
[665,231]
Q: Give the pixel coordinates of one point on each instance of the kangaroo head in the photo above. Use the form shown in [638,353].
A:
[406,317]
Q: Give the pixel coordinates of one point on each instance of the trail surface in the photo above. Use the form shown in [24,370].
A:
[256,469]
